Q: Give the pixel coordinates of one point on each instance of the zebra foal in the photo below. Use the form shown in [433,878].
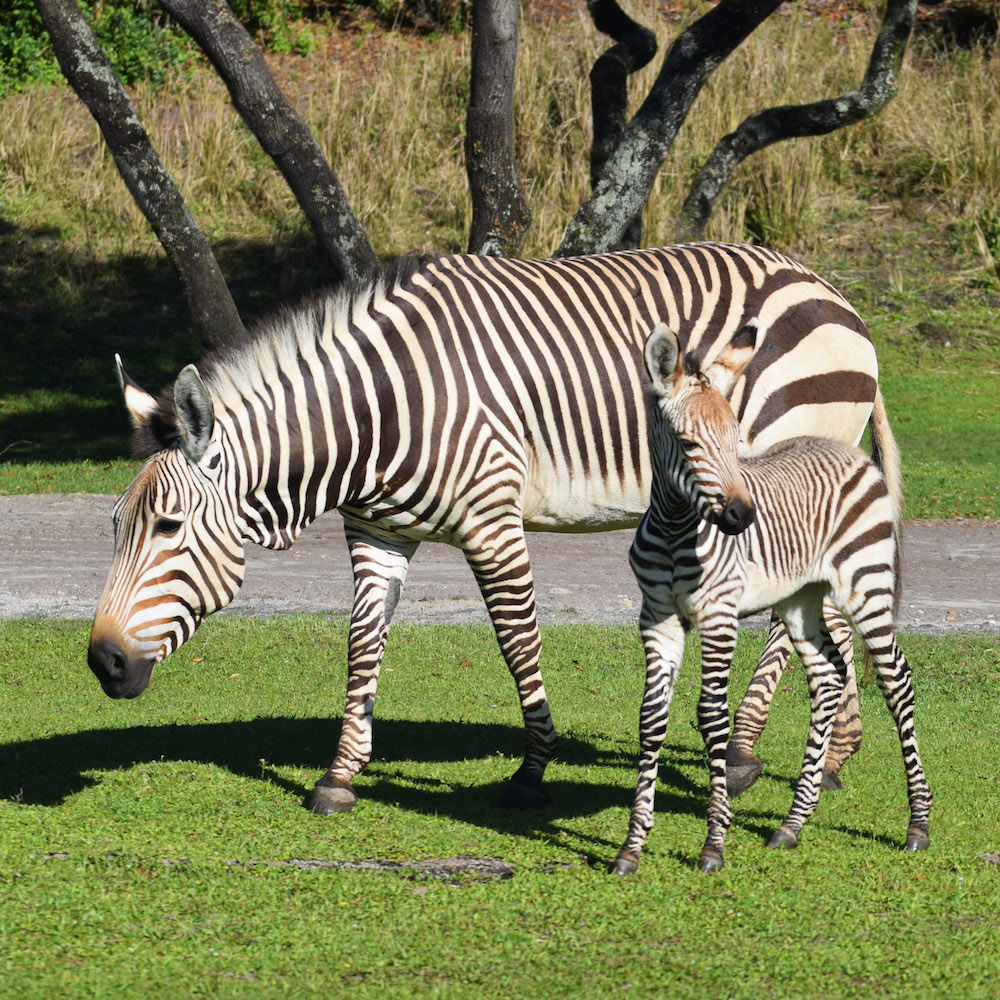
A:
[807,520]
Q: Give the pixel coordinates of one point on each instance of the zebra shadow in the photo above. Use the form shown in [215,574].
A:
[50,770]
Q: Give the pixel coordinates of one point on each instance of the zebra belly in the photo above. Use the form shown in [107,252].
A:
[576,503]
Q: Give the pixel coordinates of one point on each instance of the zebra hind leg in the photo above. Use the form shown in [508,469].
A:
[379,573]
[847,734]
[501,567]
[893,676]
[742,767]
[825,671]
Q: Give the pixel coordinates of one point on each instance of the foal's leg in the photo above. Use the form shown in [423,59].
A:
[893,676]
[826,673]
[663,641]
[717,632]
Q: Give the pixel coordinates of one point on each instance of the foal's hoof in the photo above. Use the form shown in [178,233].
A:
[328,799]
[626,863]
[742,770]
[710,861]
[830,782]
[917,839]
[520,795]
[783,838]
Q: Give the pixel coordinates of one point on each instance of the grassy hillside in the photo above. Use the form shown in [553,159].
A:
[900,212]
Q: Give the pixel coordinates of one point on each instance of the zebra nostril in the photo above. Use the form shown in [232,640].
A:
[106,659]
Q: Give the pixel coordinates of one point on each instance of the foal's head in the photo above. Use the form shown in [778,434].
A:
[695,433]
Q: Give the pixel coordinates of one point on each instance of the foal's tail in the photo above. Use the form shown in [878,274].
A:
[885,455]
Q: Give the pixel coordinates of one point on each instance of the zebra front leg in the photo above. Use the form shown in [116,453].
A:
[663,641]
[717,633]
[379,572]
[742,767]
[500,564]
[825,672]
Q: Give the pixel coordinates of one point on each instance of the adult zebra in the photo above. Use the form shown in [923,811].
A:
[460,399]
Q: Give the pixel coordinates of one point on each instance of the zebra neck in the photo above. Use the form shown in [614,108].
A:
[280,490]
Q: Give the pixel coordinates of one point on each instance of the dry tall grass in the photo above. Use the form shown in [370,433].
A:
[394,137]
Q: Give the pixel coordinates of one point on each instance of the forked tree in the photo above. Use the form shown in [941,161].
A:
[626,154]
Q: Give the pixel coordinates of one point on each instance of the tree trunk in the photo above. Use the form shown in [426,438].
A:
[500,212]
[796,121]
[90,74]
[280,131]
[635,46]
[629,172]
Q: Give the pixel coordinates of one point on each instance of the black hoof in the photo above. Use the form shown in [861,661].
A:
[830,782]
[742,770]
[328,799]
[518,795]
[917,840]
[783,838]
[625,864]
[710,862]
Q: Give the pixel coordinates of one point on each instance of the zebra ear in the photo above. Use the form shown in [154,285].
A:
[724,372]
[663,359]
[140,405]
[195,413]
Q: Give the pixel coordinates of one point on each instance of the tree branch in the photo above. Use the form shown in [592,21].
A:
[629,172]
[634,47]
[280,131]
[876,89]
[500,212]
[90,74]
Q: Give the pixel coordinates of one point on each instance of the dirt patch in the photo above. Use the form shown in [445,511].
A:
[57,548]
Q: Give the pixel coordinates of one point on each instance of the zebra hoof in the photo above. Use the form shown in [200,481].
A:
[329,799]
[917,840]
[742,770]
[783,838]
[519,795]
[626,863]
[710,861]
[830,782]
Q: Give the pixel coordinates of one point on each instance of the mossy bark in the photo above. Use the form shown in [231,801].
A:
[90,75]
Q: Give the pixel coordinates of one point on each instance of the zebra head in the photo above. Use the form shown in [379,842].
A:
[178,550]
[695,433]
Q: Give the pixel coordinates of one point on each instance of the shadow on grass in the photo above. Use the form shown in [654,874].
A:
[49,770]
[65,313]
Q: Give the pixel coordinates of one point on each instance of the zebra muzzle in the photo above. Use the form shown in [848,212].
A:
[736,516]
[121,676]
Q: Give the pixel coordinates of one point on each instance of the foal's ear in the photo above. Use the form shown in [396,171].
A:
[735,356]
[139,403]
[195,413]
[663,359]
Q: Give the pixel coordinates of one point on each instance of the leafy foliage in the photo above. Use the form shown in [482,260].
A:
[140,43]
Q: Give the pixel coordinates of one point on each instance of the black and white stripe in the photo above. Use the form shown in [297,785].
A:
[807,521]
[466,399]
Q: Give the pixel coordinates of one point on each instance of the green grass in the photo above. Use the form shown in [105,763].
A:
[141,842]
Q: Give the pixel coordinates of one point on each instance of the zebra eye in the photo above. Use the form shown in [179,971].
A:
[166,526]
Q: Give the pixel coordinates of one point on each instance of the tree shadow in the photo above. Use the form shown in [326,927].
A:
[65,313]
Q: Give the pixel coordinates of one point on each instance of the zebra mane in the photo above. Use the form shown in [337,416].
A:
[228,371]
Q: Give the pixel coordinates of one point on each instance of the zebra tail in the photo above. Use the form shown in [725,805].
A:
[885,455]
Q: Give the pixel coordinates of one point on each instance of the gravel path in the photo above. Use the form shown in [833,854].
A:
[55,551]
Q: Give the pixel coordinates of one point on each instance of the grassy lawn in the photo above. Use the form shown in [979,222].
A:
[163,842]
